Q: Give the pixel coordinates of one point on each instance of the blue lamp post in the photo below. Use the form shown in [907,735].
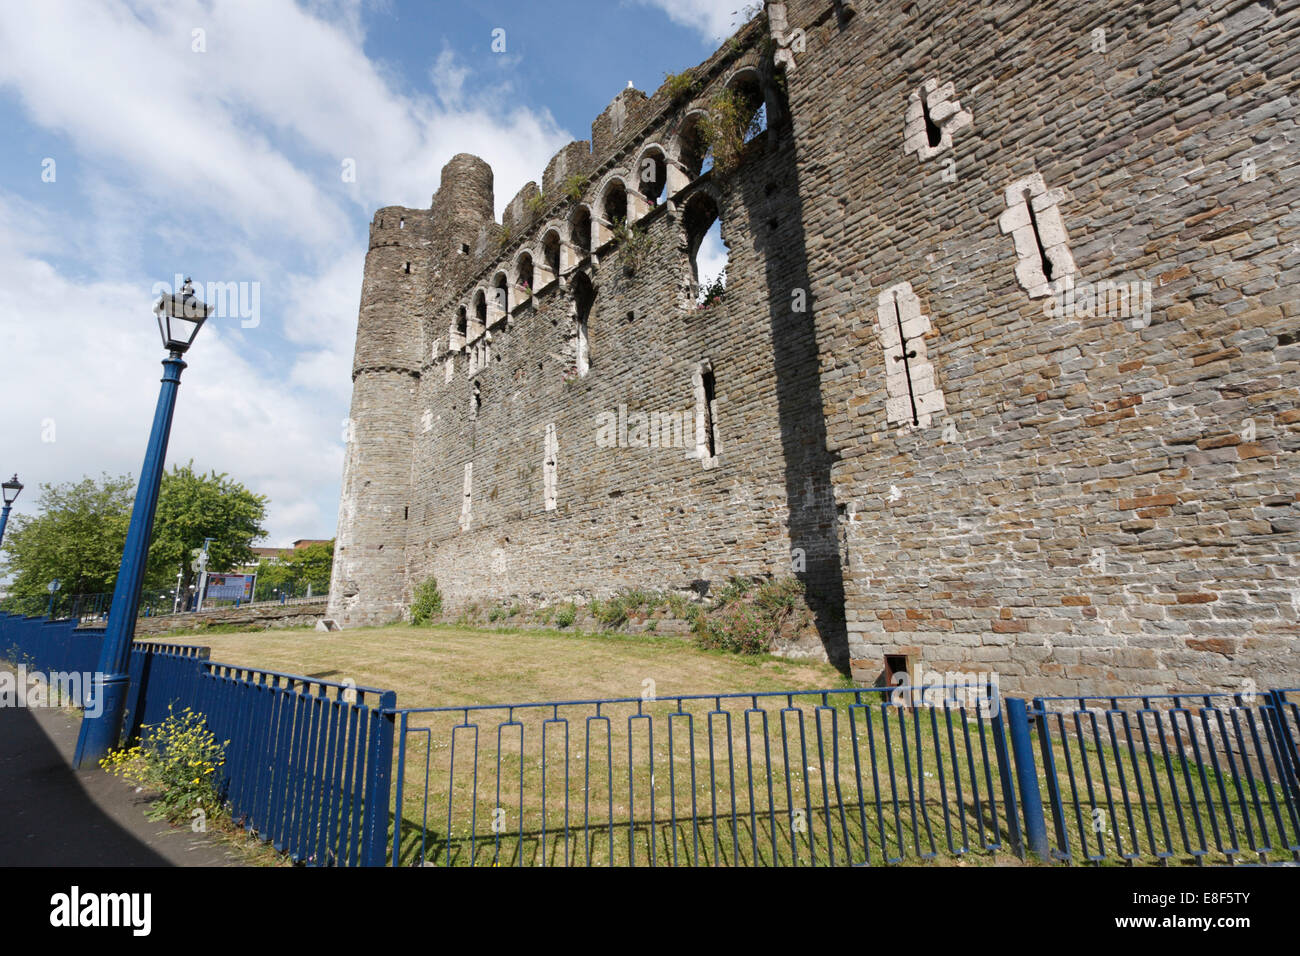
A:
[10,489]
[180,316]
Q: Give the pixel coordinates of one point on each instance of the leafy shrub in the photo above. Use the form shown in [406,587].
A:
[679,605]
[726,128]
[179,757]
[746,618]
[497,613]
[735,589]
[565,614]
[715,291]
[428,602]
[609,613]
[779,597]
[739,627]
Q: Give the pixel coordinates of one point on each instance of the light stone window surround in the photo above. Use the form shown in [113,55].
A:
[945,113]
[703,416]
[1017,221]
[924,390]
[550,456]
[466,506]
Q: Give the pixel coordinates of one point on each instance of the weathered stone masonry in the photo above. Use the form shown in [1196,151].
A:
[1077,493]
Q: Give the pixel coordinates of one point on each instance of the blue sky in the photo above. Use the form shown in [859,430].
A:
[147,138]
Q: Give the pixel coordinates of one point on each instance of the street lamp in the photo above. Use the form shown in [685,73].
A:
[180,316]
[11,489]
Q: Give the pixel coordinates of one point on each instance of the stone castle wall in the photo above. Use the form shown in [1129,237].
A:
[969,468]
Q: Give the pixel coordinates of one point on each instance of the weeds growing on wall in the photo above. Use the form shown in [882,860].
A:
[614,612]
[747,618]
[728,125]
[573,186]
[427,603]
[680,86]
[536,204]
[179,757]
[635,242]
[565,614]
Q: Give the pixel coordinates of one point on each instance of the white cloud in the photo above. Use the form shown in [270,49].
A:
[714,20]
[233,153]
[82,374]
[255,128]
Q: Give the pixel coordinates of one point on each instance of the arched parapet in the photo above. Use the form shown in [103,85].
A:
[499,299]
[478,315]
[611,208]
[648,180]
[687,151]
[548,263]
[458,332]
[524,275]
[578,229]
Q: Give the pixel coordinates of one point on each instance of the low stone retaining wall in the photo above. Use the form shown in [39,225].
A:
[265,617]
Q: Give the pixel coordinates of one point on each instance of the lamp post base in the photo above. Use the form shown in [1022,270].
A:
[99,734]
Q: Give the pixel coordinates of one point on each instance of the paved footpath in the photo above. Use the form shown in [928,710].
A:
[52,815]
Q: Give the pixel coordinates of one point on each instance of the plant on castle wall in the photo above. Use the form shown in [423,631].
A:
[537,204]
[714,291]
[504,238]
[565,615]
[726,128]
[427,603]
[680,86]
[747,618]
[635,243]
[573,186]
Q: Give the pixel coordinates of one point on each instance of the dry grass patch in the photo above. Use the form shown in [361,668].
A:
[441,666]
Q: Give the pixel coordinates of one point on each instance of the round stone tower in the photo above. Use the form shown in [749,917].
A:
[369,580]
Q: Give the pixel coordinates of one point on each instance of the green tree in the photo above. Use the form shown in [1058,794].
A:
[77,537]
[193,506]
[311,566]
[272,576]
[79,533]
[295,570]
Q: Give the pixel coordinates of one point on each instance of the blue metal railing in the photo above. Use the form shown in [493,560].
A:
[861,776]
[308,762]
[824,777]
[1206,777]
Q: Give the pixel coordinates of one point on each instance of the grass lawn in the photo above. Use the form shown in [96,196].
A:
[576,783]
[443,666]
[747,780]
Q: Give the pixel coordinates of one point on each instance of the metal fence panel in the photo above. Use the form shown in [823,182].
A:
[818,778]
[1203,777]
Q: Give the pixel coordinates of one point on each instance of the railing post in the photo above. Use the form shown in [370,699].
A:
[1031,798]
[379,773]
[1006,772]
[1289,771]
[401,787]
